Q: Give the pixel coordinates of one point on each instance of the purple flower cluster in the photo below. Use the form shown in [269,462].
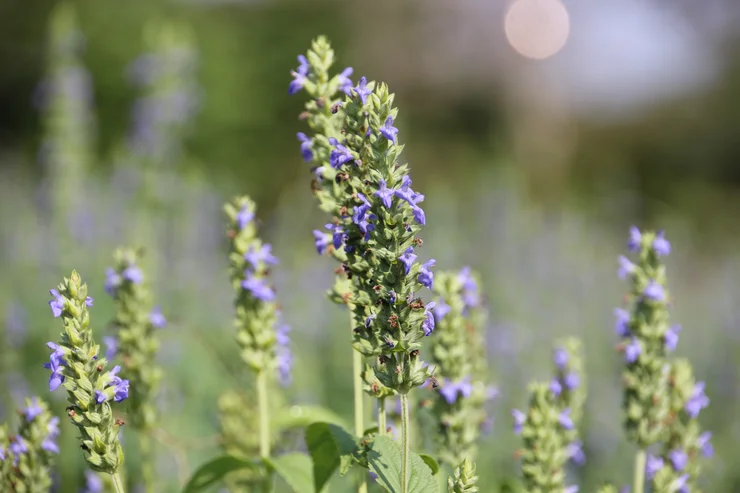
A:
[299,75]
[450,390]
[117,388]
[113,280]
[55,364]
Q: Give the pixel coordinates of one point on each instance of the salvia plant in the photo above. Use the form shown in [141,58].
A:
[65,99]
[373,233]
[549,427]
[77,365]
[458,351]
[135,345]
[28,454]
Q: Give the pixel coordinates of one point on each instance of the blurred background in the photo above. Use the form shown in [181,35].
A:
[539,131]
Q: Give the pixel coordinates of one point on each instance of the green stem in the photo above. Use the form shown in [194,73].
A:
[382,423]
[264,414]
[359,411]
[640,459]
[147,460]
[117,483]
[404,442]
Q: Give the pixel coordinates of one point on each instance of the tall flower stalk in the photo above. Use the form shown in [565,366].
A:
[458,350]
[261,336]
[646,338]
[135,344]
[77,365]
[375,224]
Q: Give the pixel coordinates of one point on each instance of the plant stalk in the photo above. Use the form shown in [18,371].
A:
[382,422]
[264,414]
[404,442]
[117,483]
[640,458]
[147,467]
[358,397]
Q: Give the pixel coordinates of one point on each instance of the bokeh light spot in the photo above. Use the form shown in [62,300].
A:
[537,29]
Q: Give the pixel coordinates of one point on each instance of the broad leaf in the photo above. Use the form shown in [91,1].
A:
[295,469]
[329,445]
[385,461]
[431,462]
[214,471]
[302,416]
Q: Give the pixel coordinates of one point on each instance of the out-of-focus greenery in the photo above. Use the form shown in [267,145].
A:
[545,242]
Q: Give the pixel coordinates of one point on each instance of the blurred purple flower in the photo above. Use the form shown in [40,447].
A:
[519,419]
[661,246]
[426,276]
[565,420]
[632,351]
[306,150]
[697,401]
[679,459]
[441,309]
[560,358]
[111,347]
[52,429]
[321,241]
[33,410]
[450,390]
[345,84]
[703,443]
[572,381]
[264,255]
[93,483]
[575,452]
[57,304]
[621,326]
[112,280]
[362,90]
[133,274]
[157,319]
[555,387]
[244,217]
[56,361]
[299,76]
[654,291]
[625,267]
[635,240]
[258,287]
[671,337]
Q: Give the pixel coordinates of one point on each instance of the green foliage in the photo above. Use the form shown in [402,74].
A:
[464,479]
[215,470]
[384,459]
[330,447]
[295,469]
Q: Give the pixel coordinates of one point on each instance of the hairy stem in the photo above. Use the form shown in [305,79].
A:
[359,409]
[640,458]
[117,483]
[264,414]
[404,442]
[147,462]
[382,422]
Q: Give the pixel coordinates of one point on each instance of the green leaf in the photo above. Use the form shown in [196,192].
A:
[295,469]
[302,416]
[214,471]
[329,445]
[385,460]
[431,462]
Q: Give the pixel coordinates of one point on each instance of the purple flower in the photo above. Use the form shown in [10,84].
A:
[306,150]
[93,483]
[560,358]
[632,351]
[565,420]
[244,217]
[361,217]
[388,130]
[575,452]
[57,304]
[625,267]
[635,239]
[704,444]
[571,489]
[451,390]
[572,381]
[33,410]
[284,359]
[426,276]
[621,326]
[362,90]
[2,454]
[519,419]
[697,401]
[112,280]
[339,155]
[385,194]
[661,246]
[299,76]
[120,386]
[392,297]
[654,291]
[263,254]
[441,309]
[52,429]
[156,318]
[407,259]
[281,335]
[428,324]
[56,361]
[369,320]
[679,459]
[321,241]
[671,337]
[555,387]
[111,345]
[133,274]
[99,397]
[470,293]
[345,84]
[89,301]
[18,446]
[258,288]
[679,485]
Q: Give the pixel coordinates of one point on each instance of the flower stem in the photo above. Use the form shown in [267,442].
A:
[117,483]
[264,414]
[640,459]
[404,442]
[147,460]
[359,411]
[382,423]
